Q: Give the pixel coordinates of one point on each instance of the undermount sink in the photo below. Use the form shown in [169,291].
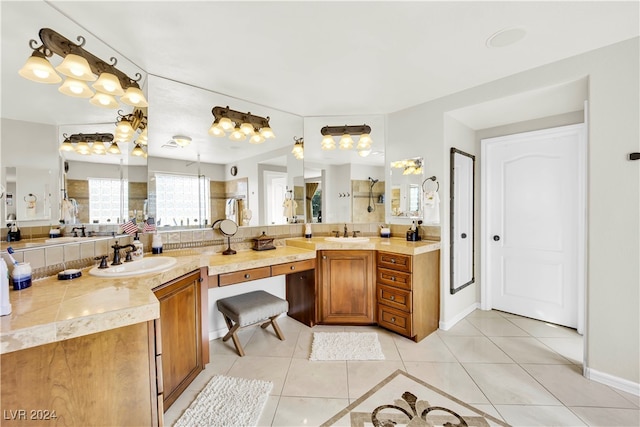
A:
[347,239]
[135,268]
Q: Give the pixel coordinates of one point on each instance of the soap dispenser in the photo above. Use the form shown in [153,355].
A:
[307,231]
[138,253]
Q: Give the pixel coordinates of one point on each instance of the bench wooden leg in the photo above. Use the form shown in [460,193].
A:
[232,334]
[276,327]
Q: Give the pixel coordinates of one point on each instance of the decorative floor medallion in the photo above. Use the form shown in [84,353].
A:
[404,400]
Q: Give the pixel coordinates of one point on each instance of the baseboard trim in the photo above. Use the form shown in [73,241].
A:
[612,381]
[446,325]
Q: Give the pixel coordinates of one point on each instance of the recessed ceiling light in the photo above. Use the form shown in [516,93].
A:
[506,37]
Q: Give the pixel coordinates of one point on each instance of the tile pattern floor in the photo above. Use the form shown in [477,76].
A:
[522,371]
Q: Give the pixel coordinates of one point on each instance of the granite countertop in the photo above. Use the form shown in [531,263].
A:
[54,310]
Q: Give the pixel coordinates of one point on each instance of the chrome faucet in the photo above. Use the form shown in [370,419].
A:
[346,233]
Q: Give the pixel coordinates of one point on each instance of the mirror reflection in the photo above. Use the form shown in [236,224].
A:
[406,188]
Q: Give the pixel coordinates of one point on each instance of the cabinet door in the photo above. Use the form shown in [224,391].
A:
[301,294]
[347,286]
[180,326]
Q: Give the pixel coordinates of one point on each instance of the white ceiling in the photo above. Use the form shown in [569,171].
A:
[304,58]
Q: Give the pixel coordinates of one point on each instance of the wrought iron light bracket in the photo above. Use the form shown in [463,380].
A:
[239,117]
[342,130]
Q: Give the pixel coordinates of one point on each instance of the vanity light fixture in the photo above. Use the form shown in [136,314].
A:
[128,126]
[240,125]
[298,148]
[409,166]
[80,143]
[79,67]
[346,141]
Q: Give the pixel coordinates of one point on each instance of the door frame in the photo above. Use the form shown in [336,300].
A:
[581,154]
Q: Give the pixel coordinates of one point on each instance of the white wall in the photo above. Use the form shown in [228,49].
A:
[613,250]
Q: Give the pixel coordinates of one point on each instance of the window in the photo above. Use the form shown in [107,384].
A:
[182,200]
[108,200]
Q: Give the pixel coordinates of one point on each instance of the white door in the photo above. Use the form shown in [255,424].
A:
[534,223]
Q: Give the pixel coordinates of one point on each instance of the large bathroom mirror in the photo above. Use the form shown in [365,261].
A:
[35,116]
[461,221]
[406,176]
[237,180]
[341,186]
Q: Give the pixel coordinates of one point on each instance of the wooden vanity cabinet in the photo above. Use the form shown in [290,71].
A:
[408,293]
[179,333]
[346,281]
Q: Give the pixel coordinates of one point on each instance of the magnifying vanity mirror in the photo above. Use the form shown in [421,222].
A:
[228,228]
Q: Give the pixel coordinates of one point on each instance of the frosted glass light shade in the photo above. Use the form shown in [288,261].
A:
[98,148]
[133,96]
[38,69]
[138,151]
[104,100]
[216,130]
[83,148]
[346,142]
[237,135]
[114,149]
[108,83]
[364,142]
[256,139]
[66,146]
[124,127]
[75,88]
[328,143]
[247,128]
[267,133]
[75,66]
[226,124]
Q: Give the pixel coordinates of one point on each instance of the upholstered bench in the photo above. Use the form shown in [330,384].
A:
[247,309]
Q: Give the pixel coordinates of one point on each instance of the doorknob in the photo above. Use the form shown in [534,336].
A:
[496,237]
[463,235]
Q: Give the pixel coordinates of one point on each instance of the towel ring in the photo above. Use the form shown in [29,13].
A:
[431,178]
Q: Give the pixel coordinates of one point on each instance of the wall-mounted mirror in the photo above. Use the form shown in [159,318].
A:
[34,117]
[236,180]
[406,176]
[461,221]
[341,185]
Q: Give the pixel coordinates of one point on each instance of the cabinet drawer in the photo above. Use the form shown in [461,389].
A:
[225,279]
[292,267]
[394,261]
[394,278]
[394,297]
[395,320]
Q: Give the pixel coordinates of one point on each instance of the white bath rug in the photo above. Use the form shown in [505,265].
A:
[346,346]
[227,401]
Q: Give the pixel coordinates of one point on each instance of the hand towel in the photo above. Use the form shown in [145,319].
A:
[431,207]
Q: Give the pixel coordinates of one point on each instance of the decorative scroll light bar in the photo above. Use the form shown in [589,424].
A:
[89,143]
[128,125]
[410,166]
[80,66]
[346,141]
[240,125]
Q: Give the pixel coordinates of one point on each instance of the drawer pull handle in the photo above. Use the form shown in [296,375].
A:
[392,298]
[393,320]
[393,278]
[246,276]
[293,267]
[393,260]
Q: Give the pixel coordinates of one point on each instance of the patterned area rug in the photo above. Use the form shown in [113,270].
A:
[227,401]
[346,346]
[404,400]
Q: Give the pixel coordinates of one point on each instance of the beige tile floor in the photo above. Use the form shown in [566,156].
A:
[522,371]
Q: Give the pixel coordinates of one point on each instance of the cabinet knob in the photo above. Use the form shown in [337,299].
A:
[246,276]
[293,267]
[392,298]
[324,257]
[393,260]
[393,320]
[393,278]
